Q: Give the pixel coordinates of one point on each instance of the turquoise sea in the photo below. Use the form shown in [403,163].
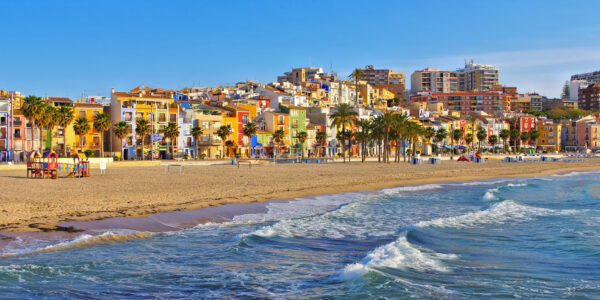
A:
[503,238]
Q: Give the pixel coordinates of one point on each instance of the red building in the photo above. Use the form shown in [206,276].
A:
[465,102]
[526,123]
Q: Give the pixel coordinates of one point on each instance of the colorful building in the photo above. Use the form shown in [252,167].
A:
[92,140]
[550,135]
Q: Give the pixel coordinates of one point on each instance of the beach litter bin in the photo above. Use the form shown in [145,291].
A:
[307,160]
[233,162]
[416,161]
[478,159]
[434,160]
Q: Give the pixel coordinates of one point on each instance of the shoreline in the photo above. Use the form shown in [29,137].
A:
[471,172]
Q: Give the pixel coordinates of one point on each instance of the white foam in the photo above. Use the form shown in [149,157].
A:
[411,188]
[498,213]
[400,254]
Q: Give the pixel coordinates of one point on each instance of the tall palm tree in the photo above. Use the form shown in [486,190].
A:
[493,139]
[223,133]
[514,136]
[143,128]
[388,122]
[398,132]
[428,134]
[413,132]
[524,138]
[481,136]
[321,139]
[302,136]
[81,128]
[473,120]
[440,135]
[344,117]
[469,139]
[533,136]
[504,135]
[49,120]
[377,133]
[457,135]
[363,136]
[171,132]
[278,136]
[33,108]
[121,130]
[65,117]
[357,74]
[102,124]
[197,132]
[250,129]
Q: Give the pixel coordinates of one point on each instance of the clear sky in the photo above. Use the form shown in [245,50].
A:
[65,48]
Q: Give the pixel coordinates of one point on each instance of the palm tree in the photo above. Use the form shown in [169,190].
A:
[302,136]
[357,74]
[398,133]
[49,120]
[250,129]
[493,139]
[142,128]
[428,134]
[197,133]
[363,135]
[33,109]
[440,135]
[278,136]
[171,132]
[223,133]
[388,121]
[481,136]
[514,136]
[524,138]
[473,120]
[65,117]
[102,124]
[321,139]
[377,134]
[457,135]
[81,128]
[504,135]
[413,132]
[534,135]
[469,139]
[343,117]
[121,130]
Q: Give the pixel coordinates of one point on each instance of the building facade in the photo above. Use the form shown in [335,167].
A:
[434,80]
[589,97]
[477,77]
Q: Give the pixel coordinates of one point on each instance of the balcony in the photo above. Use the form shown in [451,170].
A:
[17,123]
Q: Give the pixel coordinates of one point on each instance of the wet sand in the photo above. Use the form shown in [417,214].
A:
[30,205]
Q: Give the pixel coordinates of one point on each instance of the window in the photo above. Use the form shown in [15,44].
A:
[205,137]
[280,128]
[245,119]
[295,124]
[127,117]
[95,113]
[173,118]
[216,125]
[17,133]
[151,117]
[96,141]
[205,125]
[139,115]
[82,114]
[281,120]
[162,117]
[228,124]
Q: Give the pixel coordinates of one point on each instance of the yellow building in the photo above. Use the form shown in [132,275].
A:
[93,139]
[550,135]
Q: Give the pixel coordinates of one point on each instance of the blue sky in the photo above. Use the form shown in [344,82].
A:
[65,48]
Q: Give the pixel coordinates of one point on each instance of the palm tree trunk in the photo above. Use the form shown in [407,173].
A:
[81,142]
[122,151]
[101,144]
[143,158]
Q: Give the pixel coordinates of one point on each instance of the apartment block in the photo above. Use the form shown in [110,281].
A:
[589,97]
[434,80]
[394,82]
[477,77]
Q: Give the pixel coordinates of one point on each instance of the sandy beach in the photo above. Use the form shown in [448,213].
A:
[35,204]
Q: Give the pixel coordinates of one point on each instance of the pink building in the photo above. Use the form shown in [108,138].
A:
[586,135]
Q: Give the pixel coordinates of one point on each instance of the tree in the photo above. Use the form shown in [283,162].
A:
[363,136]
[413,131]
[473,120]
[81,128]
[566,91]
[457,135]
[525,137]
[481,136]
[440,135]
[121,130]
[65,116]
[171,132]
[302,136]
[428,133]
[344,117]
[469,139]
[33,109]
[49,120]
[197,133]
[493,140]
[533,136]
[504,135]
[102,124]
[278,136]
[514,136]
[223,133]
[142,128]
[321,139]
[250,129]
[357,74]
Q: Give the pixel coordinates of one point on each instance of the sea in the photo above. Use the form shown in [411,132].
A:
[524,238]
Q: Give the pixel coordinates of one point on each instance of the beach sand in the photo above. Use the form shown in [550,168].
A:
[36,204]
